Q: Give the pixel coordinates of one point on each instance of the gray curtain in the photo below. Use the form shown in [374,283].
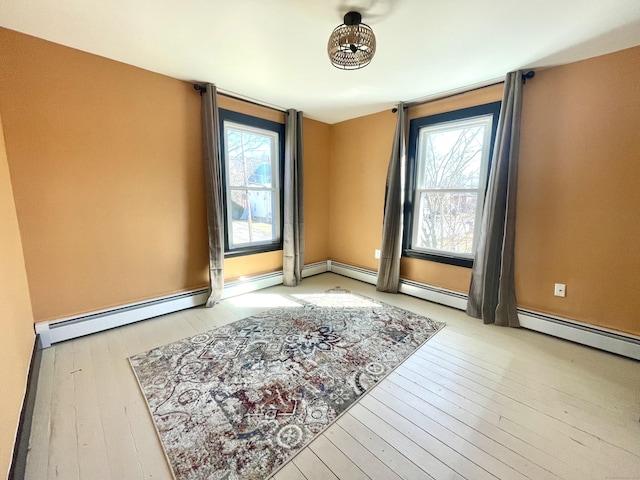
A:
[293,236]
[214,189]
[391,249]
[492,295]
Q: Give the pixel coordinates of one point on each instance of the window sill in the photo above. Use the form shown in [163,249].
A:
[439,258]
[252,250]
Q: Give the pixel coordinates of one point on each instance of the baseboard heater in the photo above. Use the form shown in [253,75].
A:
[597,337]
[72,327]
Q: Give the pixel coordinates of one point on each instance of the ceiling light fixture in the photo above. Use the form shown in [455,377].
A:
[352,44]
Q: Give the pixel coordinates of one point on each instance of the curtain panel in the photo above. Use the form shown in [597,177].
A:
[214,192]
[392,226]
[293,231]
[492,295]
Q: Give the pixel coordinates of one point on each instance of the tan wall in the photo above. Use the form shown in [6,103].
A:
[16,318]
[579,192]
[236,267]
[106,165]
[360,150]
[316,185]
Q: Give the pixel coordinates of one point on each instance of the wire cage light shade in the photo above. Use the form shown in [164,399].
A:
[352,45]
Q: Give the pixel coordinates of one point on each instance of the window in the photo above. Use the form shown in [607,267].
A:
[252,153]
[448,165]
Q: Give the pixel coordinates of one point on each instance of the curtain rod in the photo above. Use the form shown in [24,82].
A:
[202,89]
[525,76]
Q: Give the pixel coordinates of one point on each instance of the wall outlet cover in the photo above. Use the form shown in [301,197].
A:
[560,290]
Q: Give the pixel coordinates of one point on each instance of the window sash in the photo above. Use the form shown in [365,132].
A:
[274,189]
[275,217]
[486,119]
[416,220]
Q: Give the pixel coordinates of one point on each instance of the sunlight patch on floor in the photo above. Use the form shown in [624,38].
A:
[337,300]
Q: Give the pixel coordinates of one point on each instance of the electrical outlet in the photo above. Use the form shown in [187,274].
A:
[560,290]
[376,254]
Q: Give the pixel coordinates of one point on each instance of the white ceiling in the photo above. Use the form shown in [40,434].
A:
[274,51]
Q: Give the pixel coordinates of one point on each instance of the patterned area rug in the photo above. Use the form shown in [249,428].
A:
[237,402]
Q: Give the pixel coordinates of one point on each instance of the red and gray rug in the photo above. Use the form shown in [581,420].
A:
[237,402]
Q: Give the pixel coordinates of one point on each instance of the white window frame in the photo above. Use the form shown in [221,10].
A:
[419,127]
[233,121]
[483,120]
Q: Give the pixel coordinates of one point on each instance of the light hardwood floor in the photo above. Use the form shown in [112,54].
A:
[475,402]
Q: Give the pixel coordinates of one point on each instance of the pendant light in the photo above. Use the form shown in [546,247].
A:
[352,44]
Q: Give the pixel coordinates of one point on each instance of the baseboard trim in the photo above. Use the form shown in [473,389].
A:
[251,284]
[21,446]
[78,326]
[408,287]
[434,294]
[258,282]
[601,338]
[72,327]
[357,273]
[315,269]
[604,339]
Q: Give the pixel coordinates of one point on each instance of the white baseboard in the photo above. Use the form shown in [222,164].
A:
[408,287]
[434,294]
[72,327]
[251,284]
[357,273]
[78,326]
[608,340]
[625,344]
[315,268]
[258,282]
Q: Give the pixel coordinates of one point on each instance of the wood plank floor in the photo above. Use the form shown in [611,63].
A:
[475,402]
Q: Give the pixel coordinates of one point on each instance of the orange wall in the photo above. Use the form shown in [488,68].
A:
[578,217]
[16,318]
[316,183]
[360,150]
[106,167]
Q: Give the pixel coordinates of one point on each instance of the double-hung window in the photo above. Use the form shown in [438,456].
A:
[448,165]
[252,153]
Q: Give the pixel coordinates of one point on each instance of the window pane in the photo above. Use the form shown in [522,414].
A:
[260,226]
[249,156]
[445,221]
[451,155]
[252,154]
[261,205]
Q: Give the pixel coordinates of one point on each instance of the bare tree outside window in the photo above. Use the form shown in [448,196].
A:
[250,156]
[451,166]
